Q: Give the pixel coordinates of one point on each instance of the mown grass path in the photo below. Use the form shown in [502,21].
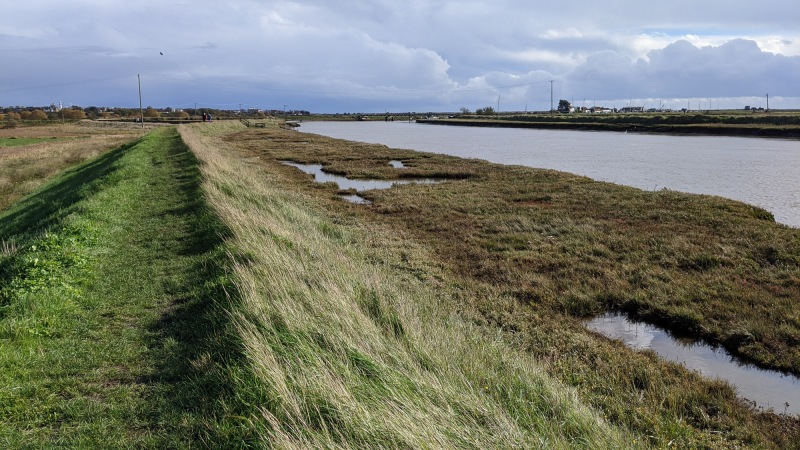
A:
[110,321]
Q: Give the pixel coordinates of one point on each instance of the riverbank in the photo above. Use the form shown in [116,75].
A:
[532,251]
[714,129]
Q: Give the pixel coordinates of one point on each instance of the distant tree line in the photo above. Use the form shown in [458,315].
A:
[10,116]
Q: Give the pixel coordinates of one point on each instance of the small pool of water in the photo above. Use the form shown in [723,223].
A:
[344,183]
[357,199]
[397,164]
[768,389]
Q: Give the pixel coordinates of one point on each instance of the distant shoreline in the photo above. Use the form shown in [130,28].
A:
[790,132]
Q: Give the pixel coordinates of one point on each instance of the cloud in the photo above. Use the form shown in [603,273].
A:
[413,54]
[736,68]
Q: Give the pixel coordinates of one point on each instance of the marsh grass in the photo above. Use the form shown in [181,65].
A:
[351,351]
[528,252]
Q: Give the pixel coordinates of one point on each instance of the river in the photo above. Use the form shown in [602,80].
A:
[761,172]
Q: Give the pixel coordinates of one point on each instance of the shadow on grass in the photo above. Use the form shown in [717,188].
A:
[195,369]
[47,207]
[56,199]
[192,349]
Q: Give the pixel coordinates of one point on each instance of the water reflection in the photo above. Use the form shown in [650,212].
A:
[344,183]
[769,389]
[357,199]
[761,172]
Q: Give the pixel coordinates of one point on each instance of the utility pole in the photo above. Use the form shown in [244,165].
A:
[767,102]
[551,95]
[141,111]
[498,103]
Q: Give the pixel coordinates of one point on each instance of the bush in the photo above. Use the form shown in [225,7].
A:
[73,114]
[38,115]
[151,113]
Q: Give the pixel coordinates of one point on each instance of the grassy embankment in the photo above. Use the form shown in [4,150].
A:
[529,251]
[352,351]
[110,307]
[30,155]
[115,330]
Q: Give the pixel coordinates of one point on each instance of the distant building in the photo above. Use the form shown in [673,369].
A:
[632,109]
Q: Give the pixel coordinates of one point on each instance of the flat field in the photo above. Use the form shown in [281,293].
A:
[30,155]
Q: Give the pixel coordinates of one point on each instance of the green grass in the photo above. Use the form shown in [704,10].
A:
[38,153]
[111,328]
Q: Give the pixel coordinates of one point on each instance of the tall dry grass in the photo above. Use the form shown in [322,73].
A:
[350,353]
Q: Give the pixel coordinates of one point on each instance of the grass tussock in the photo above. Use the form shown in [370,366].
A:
[350,353]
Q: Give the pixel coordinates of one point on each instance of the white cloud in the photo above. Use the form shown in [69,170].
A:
[681,69]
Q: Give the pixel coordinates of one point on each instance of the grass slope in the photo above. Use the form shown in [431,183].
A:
[350,352]
[31,155]
[108,326]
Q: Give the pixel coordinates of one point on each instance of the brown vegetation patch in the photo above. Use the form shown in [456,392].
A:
[531,251]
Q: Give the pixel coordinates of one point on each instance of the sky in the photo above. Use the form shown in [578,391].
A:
[374,56]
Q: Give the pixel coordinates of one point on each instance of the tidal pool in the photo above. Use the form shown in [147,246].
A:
[357,199]
[758,171]
[344,183]
[397,164]
[767,388]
